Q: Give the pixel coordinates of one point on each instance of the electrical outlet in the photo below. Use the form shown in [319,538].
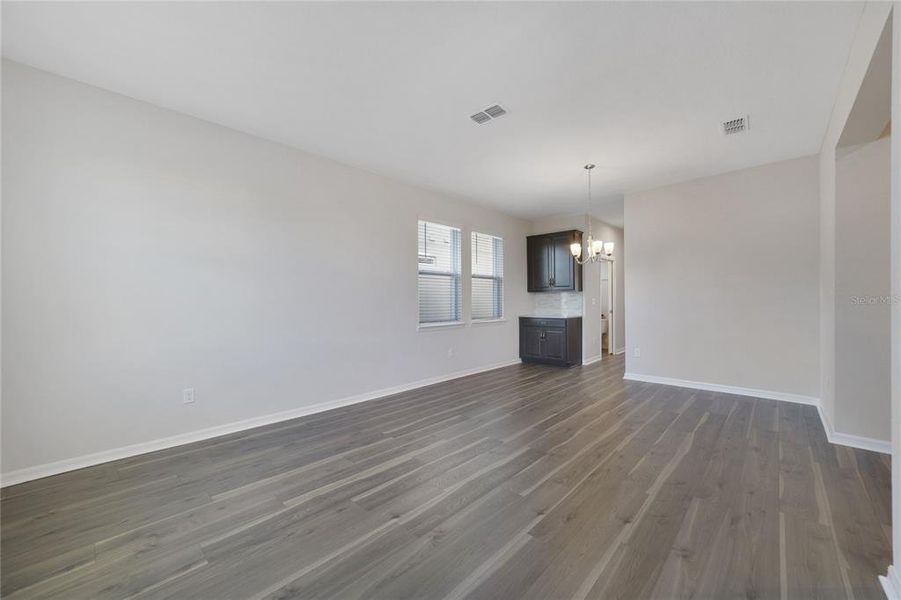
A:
[450,352]
[187,395]
[636,352]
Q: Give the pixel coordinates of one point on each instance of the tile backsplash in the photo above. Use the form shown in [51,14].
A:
[564,304]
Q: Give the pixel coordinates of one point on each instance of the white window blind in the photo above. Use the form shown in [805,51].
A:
[487,276]
[440,274]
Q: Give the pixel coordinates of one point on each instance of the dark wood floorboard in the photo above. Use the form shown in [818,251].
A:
[527,482]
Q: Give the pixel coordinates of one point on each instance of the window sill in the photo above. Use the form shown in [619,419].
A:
[444,325]
[488,321]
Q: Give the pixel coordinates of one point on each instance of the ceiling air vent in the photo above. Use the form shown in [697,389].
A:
[495,111]
[492,112]
[736,125]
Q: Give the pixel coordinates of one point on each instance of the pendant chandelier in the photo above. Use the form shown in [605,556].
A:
[596,250]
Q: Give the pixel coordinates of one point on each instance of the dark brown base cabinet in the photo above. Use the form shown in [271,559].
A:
[552,341]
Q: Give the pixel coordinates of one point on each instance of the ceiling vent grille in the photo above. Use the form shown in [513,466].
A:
[495,111]
[736,125]
[492,112]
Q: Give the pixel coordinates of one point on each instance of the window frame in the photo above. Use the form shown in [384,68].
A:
[500,296]
[459,296]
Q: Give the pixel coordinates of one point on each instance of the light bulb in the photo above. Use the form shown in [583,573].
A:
[596,247]
[608,248]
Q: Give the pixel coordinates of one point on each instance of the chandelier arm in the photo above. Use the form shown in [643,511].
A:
[590,259]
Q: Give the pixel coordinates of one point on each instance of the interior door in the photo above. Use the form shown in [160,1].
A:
[611,317]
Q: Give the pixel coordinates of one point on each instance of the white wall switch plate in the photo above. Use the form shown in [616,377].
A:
[187,395]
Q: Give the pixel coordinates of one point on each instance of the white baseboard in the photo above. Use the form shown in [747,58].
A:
[891,584]
[855,441]
[620,350]
[842,439]
[592,360]
[726,389]
[88,460]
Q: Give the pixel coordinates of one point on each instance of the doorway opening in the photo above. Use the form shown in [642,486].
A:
[607,298]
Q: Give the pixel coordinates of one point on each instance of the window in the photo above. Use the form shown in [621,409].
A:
[487,276]
[440,273]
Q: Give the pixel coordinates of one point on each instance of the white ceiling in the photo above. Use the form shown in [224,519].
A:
[640,89]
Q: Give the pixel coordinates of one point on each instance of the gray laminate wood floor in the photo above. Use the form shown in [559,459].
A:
[523,482]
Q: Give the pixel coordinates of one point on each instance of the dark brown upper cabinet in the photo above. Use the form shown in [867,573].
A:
[551,265]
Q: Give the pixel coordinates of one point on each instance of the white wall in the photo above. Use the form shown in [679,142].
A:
[722,279]
[869,29]
[826,168]
[145,251]
[863,291]
[591,279]
[892,582]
